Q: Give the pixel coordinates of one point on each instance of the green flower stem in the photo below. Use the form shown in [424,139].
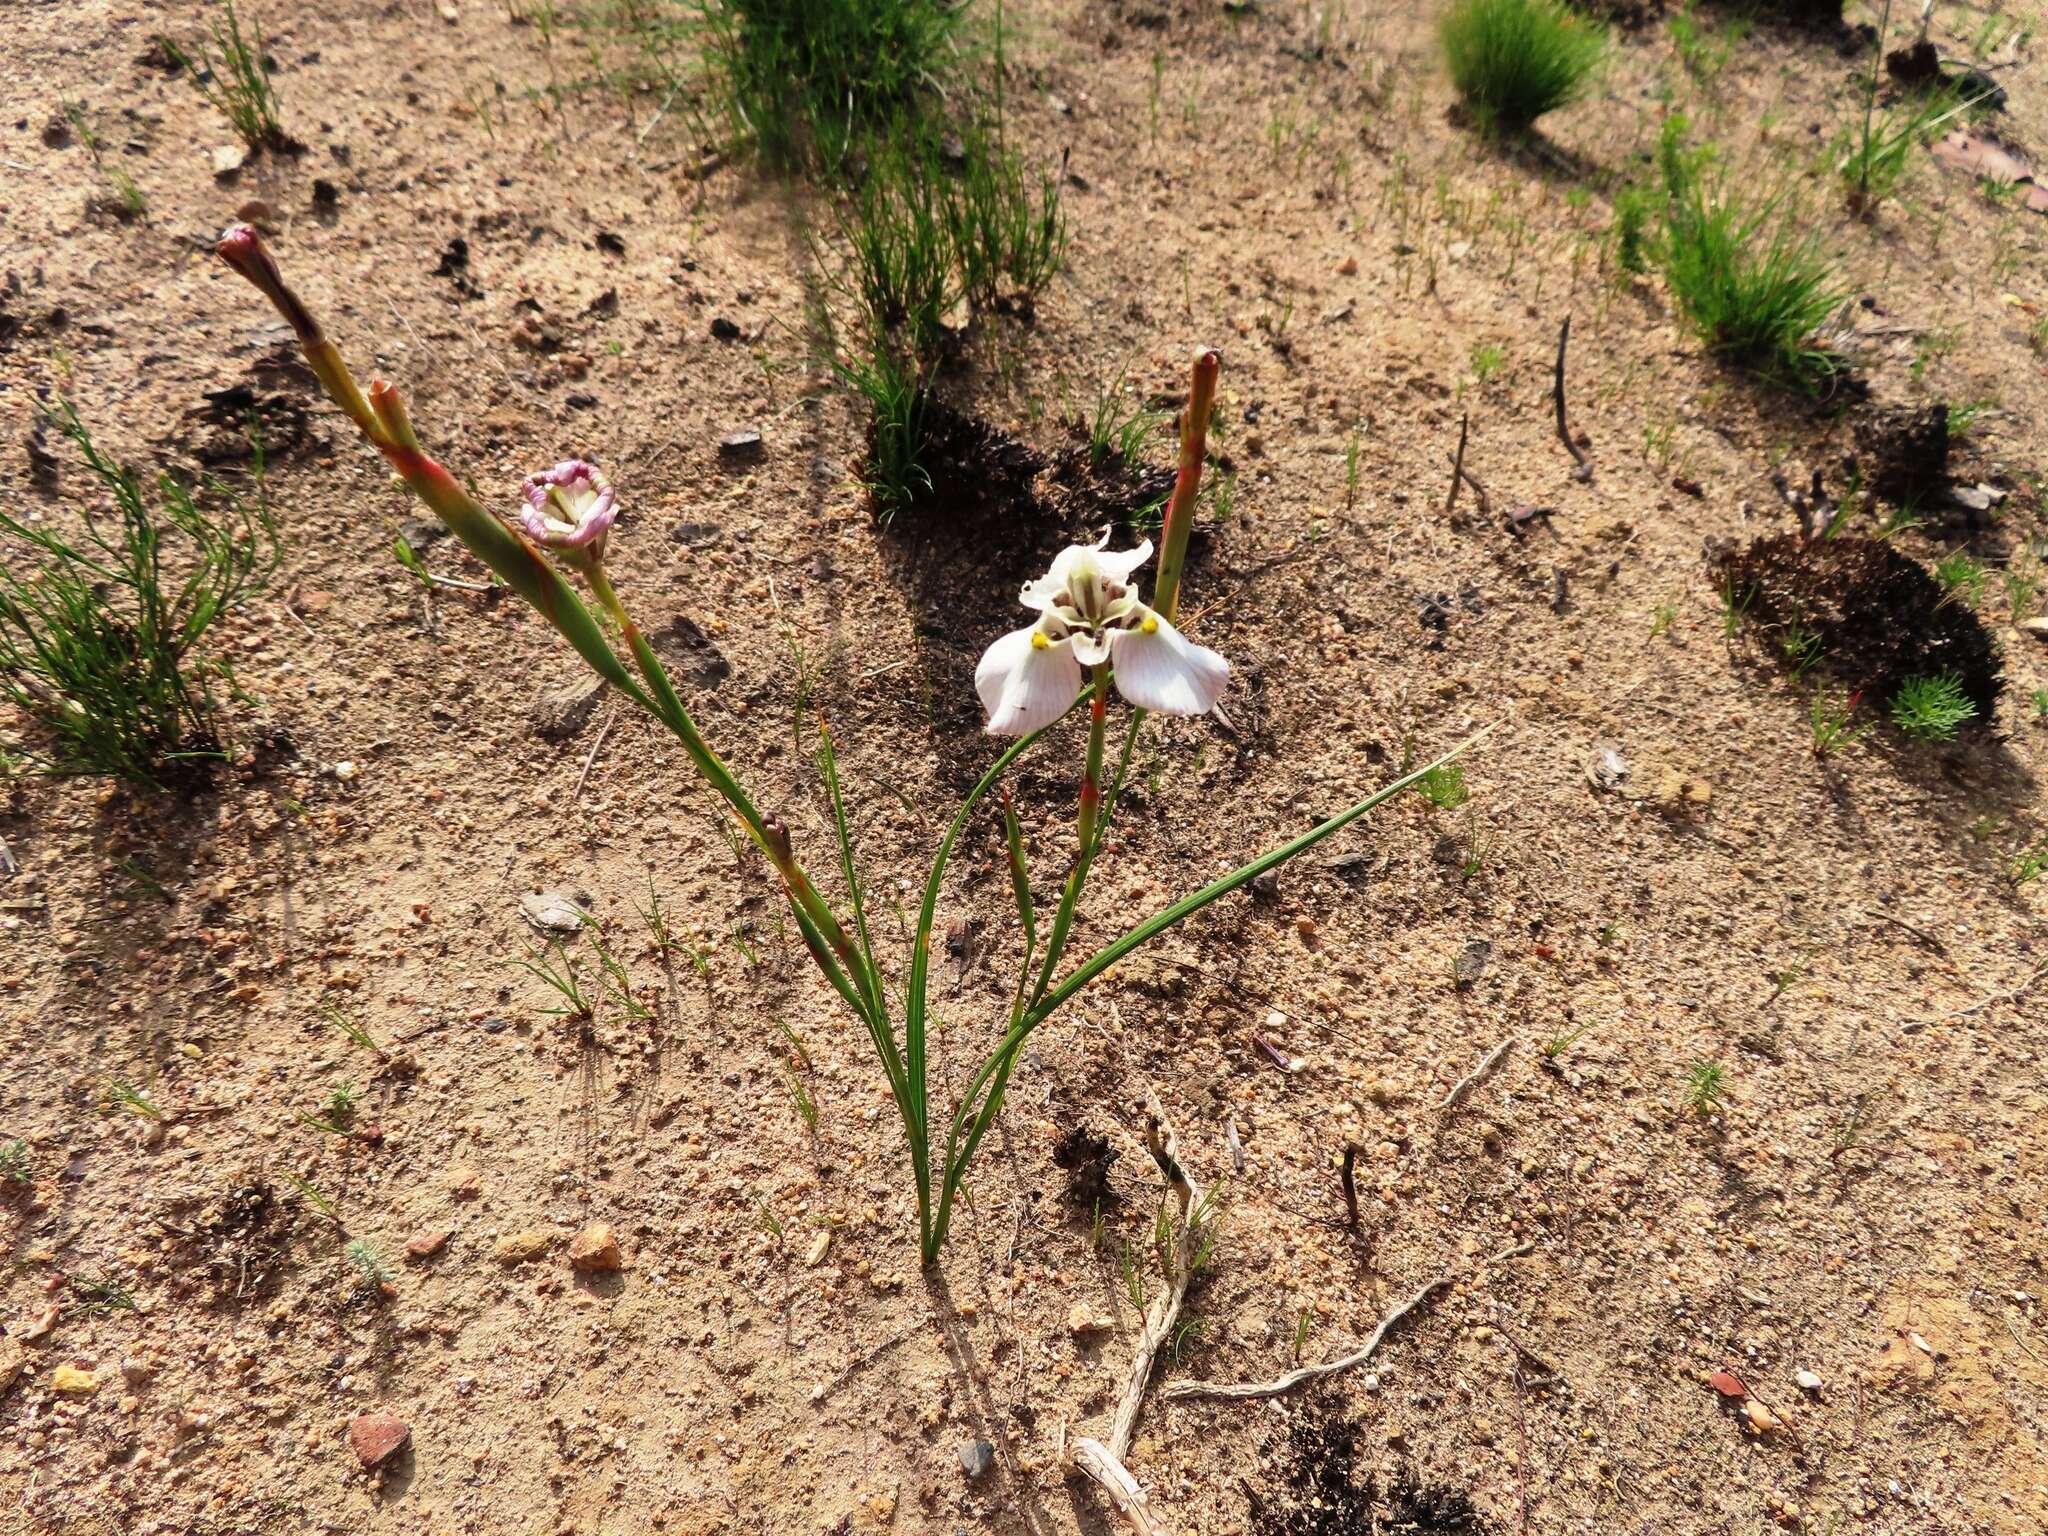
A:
[977,1111]
[915,1103]
[1180,510]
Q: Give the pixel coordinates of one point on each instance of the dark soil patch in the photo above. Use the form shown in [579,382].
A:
[1086,1158]
[1903,454]
[1879,618]
[1324,1492]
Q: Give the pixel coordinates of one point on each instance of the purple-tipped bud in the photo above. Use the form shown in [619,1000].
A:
[570,508]
[243,249]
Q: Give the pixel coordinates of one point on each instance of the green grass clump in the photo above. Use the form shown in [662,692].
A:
[239,84]
[1932,708]
[1514,60]
[1747,273]
[1007,227]
[101,635]
[804,78]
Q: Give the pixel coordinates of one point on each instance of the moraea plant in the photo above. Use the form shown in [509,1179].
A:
[1090,622]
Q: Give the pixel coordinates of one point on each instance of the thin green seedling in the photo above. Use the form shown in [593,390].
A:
[1487,360]
[1831,721]
[806,1107]
[1705,1083]
[1802,648]
[355,1032]
[1933,708]
[1120,426]
[2038,702]
[2028,864]
[128,1099]
[15,1165]
[238,86]
[1353,453]
[1558,1044]
[615,983]
[1963,578]
[563,974]
[1301,1327]
[1662,618]
[1735,607]
[129,203]
[311,1196]
[99,1297]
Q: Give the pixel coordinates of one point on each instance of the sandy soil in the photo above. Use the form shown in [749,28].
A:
[1839,934]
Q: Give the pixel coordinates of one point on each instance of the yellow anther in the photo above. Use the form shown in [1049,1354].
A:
[1038,640]
[1150,624]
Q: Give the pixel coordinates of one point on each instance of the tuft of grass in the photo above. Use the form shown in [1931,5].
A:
[15,1167]
[804,79]
[1121,425]
[899,269]
[1830,720]
[2028,865]
[1007,227]
[1962,577]
[1748,273]
[1487,360]
[1514,60]
[1705,1082]
[1874,160]
[2038,699]
[239,86]
[1630,232]
[100,636]
[1932,708]
[894,471]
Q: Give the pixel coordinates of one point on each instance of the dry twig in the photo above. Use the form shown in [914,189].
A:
[1463,1089]
[1583,466]
[1458,464]
[1308,1373]
[1103,1461]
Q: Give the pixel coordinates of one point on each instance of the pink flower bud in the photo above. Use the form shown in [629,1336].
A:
[570,509]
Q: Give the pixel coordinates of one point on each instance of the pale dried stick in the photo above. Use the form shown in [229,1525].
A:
[1479,1074]
[1104,1461]
[1308,1373]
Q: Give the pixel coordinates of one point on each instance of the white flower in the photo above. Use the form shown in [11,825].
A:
[1089,614]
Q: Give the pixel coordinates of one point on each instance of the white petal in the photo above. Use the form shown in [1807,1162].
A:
[1119,567]
[1090,650]
[992,672]
[1023,685]
[1167,672]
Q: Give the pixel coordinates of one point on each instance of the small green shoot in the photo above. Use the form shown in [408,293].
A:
[15,1167]
[1705,1082]
[1830,719]
[1930,709]
[1444,787]
[370,1266]
[1962,578]
[122,1097]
